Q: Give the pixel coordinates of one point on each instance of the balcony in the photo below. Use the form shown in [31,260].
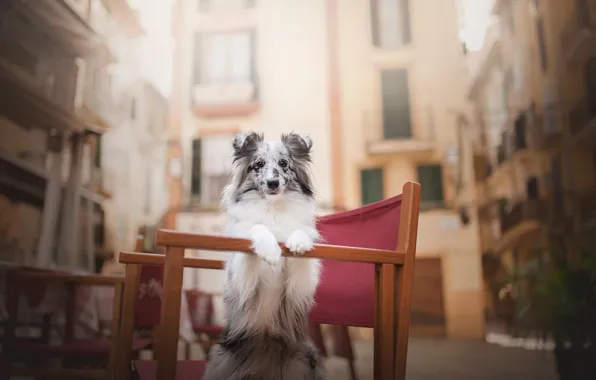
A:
[419,140]
[219,100]
[577,34]
[532,211]
[582,119]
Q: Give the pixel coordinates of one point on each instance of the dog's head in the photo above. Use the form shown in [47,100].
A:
[270,169]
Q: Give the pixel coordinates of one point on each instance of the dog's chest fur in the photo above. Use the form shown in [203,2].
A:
[291,286]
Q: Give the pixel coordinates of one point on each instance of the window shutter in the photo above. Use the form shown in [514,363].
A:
[98,151]
[371,184]
[431,179]
[374,22]
[197,58]
[406,23]
[195,187]
[396,104]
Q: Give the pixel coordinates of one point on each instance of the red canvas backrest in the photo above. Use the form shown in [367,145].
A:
[346,292]
[148,302]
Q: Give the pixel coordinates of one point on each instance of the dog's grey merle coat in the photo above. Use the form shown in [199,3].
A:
[267,297]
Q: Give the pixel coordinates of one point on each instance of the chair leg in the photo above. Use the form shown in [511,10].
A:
[353,374]
[187,350]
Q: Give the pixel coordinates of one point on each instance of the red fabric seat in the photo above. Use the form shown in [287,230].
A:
[211,330]
[185,369]
[346,292]
[80,347]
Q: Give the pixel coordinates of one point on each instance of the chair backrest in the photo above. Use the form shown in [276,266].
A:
[391,257]
[346,292]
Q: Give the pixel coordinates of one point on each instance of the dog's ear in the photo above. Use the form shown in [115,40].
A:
[299,145]
[246,143]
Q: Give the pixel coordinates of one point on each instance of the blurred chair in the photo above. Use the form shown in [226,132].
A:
[201,311]
[384,289]
[96,349]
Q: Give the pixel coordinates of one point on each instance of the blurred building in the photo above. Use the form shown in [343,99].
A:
[135,157]
[397,114]
[58,98]
[531,87]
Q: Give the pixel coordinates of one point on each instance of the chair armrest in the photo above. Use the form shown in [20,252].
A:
[322,251]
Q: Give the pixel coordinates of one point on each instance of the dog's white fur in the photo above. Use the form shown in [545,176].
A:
[289,219]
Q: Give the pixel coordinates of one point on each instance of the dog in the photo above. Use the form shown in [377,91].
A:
[267,297]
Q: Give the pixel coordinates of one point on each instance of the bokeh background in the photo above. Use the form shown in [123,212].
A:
[116,119]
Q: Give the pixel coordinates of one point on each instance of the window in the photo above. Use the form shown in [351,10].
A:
[223,57]
[520,126]
[390,21]
[532,190]
[371,185]
[542,43]
[98,152]
[396,104]
[431,179]
[195,182]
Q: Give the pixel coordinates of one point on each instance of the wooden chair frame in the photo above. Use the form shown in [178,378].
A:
[394,272]
[71,281]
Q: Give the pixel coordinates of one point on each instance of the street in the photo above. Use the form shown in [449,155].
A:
[456,360]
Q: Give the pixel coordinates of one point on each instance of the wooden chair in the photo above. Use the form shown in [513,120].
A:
[390,311]
[201,312]
[70,347]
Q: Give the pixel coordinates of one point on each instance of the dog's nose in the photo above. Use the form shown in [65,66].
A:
[273,184]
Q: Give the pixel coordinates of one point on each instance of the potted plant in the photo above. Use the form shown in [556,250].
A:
[559,306]
[564,309]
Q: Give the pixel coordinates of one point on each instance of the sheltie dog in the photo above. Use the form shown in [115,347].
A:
[267,297]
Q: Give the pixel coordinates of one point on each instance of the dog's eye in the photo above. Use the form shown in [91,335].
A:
[259,164]
[283,163]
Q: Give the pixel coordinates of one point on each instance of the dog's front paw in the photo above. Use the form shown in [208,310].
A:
[299,242]
[265,245]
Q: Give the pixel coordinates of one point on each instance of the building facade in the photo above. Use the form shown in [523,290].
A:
[58,59]
[529,88]
[397,112]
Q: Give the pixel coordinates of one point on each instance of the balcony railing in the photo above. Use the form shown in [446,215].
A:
[418,138]
[581,116]
[527,210]
[232,99]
